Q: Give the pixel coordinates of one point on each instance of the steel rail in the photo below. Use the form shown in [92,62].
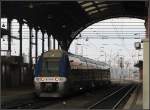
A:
[108,96]
[119,102]
[31,103]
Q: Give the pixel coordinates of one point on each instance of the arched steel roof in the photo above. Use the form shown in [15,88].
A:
[65,19]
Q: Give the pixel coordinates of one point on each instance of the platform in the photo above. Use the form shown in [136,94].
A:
[13,94]
[122,81]
[135,102]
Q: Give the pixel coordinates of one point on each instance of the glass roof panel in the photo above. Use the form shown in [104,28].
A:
[102,9]
[90,8]
[92,12]
[102,5]
[96,1]
[87,4]
[80,1]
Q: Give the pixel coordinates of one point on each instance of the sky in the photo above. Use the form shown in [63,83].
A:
[92,41]
[101,41]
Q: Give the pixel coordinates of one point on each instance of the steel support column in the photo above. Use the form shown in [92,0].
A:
[54,43]
[36,45]
[30,45]
[9,35]
[20,35]
[42,42]
[146,63]
[49,42]
[58,46]
[20,52]
[148,27]
[146,74]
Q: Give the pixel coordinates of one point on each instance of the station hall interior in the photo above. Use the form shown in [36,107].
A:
[97,34]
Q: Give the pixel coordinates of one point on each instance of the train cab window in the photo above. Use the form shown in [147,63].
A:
[51,67]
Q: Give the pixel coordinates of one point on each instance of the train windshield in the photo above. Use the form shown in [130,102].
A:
[51,67]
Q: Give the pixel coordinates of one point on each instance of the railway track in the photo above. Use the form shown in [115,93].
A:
[115,99]
[34,103]
[38,103]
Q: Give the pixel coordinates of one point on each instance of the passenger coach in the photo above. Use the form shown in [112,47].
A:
[58,73]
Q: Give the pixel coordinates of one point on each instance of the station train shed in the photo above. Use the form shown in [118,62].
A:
[65,19]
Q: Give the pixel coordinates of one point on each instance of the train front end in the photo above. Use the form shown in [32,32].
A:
[51,74]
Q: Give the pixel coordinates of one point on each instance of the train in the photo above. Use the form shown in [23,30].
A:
[59,73]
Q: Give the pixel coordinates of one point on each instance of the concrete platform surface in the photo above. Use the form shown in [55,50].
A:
[135,102]
[12,94]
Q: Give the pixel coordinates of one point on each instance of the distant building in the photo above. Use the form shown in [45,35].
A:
[140,66]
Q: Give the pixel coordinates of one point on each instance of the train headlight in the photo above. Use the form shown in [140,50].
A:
[56,79]
[42,79]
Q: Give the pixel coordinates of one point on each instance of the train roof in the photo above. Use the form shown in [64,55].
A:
[103,64]
[53,53]
[59,53]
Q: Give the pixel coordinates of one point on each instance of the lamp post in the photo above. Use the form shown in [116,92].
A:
[77,44]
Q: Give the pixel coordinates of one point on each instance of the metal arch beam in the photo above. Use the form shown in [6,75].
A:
[63,43]
[104,16]
[32,20]
[32,16]
[108,4]
[4,32]
[42,15]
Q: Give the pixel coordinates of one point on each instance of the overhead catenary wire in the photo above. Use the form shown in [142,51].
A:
[103,29]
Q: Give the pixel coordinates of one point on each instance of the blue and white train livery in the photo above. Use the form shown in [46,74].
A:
[58,73]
